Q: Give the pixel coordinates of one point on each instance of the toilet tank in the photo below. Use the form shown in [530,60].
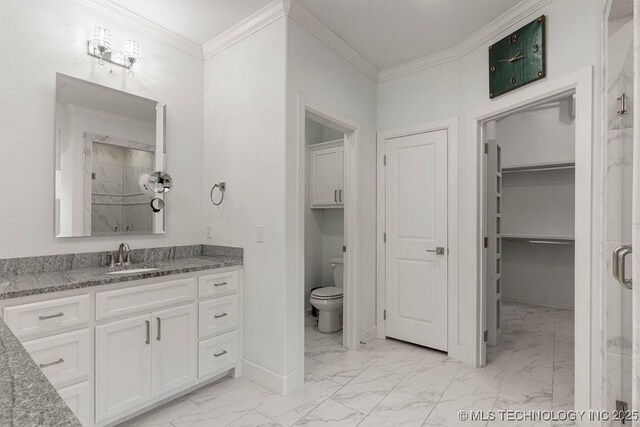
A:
[337,266]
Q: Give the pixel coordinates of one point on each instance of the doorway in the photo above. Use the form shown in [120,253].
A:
[342,193]
[529,254]
[586,295]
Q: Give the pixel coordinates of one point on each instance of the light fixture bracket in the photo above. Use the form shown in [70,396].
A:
[115,57]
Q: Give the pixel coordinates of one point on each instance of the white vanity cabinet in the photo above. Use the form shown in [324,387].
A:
[119,349]
[327,174]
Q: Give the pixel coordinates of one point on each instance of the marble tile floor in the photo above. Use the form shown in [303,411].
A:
[391,383]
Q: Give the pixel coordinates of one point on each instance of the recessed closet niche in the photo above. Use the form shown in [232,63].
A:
[531,208]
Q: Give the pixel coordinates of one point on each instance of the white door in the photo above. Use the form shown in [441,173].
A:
[175,346]
[325,178]
[416,247]
[123,366]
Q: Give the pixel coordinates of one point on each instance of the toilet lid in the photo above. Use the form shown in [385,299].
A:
[328,292]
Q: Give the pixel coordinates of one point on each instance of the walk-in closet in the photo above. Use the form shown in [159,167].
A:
[530,219]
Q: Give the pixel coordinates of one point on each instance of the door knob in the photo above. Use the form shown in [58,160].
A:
[438,250]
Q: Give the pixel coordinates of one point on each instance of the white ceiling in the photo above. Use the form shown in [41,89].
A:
[391,32]
[385,32]
[196,20]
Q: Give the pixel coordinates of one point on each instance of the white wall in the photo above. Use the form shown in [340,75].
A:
[42,37]
[317,73]
[245,147]
[459,87]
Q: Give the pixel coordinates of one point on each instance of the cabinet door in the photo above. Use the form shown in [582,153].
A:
[324,177]
[175,346]
[123,366]
[341,176]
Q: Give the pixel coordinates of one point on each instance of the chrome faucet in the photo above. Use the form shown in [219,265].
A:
[124,254]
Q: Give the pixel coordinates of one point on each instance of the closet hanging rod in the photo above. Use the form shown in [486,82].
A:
[540,167]
[549,242]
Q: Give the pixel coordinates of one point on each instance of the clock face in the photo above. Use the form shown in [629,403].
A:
[518,59]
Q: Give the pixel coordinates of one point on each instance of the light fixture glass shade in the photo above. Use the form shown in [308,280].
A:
[102,38]
[132,51]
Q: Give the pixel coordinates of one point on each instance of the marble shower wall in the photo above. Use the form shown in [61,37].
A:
[117,206]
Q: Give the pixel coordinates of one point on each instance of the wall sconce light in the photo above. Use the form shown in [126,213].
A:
[100,47]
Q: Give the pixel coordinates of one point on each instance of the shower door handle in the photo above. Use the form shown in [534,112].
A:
[618,266]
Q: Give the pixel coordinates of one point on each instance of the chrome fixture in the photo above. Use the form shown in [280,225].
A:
[100,47]
[622,104]
[619,264]
[123,256]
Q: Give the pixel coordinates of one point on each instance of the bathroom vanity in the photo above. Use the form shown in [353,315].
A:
[114,346]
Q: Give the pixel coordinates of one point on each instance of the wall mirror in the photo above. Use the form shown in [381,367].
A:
[105,140]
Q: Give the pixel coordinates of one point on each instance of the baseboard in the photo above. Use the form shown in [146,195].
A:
[538,303]
[369,335]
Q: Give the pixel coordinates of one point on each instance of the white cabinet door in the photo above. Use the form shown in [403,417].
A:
[123,366]
[341,176]
[416,250]
[325,176]
[175,348]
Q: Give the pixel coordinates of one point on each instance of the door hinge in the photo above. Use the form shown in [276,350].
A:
[622,408]
[384,160]
[384,237]
[485,336]
[486,242]
[486,148]
[344,249]
[384,314]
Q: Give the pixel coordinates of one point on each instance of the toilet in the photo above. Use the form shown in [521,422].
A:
[328,299]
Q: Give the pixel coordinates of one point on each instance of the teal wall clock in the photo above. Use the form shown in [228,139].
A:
[518,59]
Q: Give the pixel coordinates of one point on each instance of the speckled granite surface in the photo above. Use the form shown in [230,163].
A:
[55,281]
[49,263]
[26,396]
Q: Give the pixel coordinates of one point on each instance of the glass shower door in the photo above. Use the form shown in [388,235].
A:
[618,331]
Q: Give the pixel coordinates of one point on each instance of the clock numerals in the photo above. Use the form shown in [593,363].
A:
[492,69]
[536,48]
[513,80]
[513,38]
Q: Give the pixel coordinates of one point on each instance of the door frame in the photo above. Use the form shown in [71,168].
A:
[451,126]
[319,112]
[587,237]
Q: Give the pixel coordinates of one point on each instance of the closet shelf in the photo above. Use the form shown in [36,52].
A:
[540,167]
[532,238]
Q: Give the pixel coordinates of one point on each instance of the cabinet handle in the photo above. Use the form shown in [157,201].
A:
[51,316]
[222,353]
[220,284]
[340,195]
[46,365]
[217,316]
[148,326]
[159,337]
[335,196]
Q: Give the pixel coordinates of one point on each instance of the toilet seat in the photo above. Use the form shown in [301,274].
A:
[327,293]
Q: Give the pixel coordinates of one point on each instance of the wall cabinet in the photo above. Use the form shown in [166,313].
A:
[153,339]
[327,174]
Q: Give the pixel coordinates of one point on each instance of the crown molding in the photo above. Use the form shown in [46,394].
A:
[312,24]
[132,19]
[495,28]
[254,22]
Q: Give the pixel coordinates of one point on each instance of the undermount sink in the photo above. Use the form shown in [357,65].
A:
[134,270]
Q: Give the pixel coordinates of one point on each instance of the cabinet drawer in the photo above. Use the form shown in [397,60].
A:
[144,298]
[47,317]
[218,284]
[218,315]
[218,354]
[64,358]
[78,399]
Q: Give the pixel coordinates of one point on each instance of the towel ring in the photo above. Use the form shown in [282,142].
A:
[222,186]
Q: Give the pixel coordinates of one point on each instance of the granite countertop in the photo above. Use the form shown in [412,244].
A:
[27,398]
[55,281]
